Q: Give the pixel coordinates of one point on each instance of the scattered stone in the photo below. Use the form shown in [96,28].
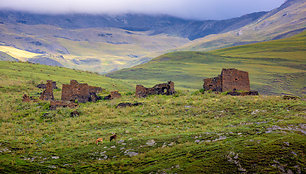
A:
[120,141]
[56,104]
[123,105]
[255,112]
[220,138]
[55,157]
[26,98]
[131,154]
[171,144]
[113,95]
[287,143]
[290,97]
[150,143]
[113,147]
[74,114]
[159,89]
[235,93]
[233,158]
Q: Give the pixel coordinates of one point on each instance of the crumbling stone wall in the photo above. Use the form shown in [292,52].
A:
[43,86]
[47,94]
[213,84]
[113,95]
[59,103]
[81,92]
[159,89]
[26,98]
[229,80]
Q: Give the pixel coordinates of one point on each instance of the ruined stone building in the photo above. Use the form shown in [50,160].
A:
[159,89]
[113,95]
[229,80]
[43,86]
[47,94]
[81,92]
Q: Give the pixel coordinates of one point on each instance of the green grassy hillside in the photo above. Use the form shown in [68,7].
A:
[183,133]
[275,67]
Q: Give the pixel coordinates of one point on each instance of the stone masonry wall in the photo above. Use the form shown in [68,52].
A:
[235,80]
[159,89]
[81,92]
[47,94]
[229,80]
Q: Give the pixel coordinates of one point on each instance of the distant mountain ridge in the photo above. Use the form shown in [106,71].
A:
[191,29]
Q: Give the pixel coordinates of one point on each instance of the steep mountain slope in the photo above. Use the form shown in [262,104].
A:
[285,21]
[103,43]
[275,67]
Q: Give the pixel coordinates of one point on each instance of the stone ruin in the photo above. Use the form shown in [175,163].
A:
[47,94]
[159,89]
[43,86]
[59,103]
[26,98]
[123,105]
[80,92]
[113,95]
[230,80]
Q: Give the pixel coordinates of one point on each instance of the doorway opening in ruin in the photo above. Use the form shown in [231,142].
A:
[164,90]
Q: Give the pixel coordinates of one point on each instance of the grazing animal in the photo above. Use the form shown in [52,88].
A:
[113,137]
[99,140]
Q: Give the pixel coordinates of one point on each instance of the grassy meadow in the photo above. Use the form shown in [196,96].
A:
[275,67]
[188,132]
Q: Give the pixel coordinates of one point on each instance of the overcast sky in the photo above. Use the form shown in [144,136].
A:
[192,9]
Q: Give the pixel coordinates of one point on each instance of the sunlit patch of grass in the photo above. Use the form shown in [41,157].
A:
[17,53]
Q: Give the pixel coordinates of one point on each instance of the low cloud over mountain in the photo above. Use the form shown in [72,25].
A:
[192,9]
